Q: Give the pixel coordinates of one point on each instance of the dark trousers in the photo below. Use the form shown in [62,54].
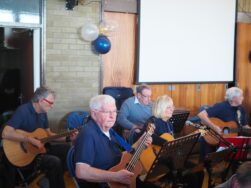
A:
[205,148]
[53,163]
[7,172]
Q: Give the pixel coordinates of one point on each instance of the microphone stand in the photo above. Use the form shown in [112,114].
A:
[217,136]
[232,148]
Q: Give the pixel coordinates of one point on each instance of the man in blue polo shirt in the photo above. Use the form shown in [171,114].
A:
[229,110]
[30,116]
[97,147]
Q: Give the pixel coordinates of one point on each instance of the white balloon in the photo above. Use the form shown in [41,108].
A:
[89,32]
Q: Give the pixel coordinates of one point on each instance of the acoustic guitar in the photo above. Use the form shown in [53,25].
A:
[131,162]
[22,153]
[229,129]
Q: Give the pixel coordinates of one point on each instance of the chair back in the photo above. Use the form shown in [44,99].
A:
[70,161]
[4,117]
[119,94]
[71,165]
[196,119]
[77,119]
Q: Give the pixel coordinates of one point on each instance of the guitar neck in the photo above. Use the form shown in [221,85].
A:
[237,130]
[54,137]
[137,153]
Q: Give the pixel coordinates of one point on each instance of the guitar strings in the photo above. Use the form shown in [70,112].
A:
[137,153]
[135,157]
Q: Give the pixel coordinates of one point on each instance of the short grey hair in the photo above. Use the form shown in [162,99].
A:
[41,93]
[232,92]
[98,101]
[141,87]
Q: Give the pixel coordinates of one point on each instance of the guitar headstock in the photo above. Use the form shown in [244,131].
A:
[150,128]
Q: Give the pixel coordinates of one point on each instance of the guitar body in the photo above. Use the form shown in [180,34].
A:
[229,129]
[148,155]
[125,159]
[20,153]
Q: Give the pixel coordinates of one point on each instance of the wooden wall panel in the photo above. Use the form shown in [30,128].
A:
[243,73]
[159,90]
[119,68]
[212,93]
[119,62]
[186,96]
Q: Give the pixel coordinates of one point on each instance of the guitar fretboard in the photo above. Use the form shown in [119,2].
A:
[140,149]
[51,138]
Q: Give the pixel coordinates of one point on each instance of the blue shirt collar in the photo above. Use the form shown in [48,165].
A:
[31,108]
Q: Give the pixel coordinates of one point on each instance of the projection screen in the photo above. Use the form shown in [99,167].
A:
[186,41]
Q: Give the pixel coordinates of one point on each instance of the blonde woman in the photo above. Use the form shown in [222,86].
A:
[162,111]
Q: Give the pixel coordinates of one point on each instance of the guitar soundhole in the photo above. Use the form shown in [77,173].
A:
[24,147]
[226,130]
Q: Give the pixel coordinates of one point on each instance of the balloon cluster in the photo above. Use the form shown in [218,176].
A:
[98,35]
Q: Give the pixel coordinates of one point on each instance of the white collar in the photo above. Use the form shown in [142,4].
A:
[107,134]
[136,100]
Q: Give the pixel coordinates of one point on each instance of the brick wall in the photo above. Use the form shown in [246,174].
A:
[71,69]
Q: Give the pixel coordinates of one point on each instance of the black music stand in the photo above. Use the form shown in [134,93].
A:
[171,159]
[178,120]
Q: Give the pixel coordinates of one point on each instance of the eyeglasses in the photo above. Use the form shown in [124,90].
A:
[145,96]
[108,111]
[49,102]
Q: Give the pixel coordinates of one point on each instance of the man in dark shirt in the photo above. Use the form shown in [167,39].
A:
[97,147]
[30,116]
[229,110]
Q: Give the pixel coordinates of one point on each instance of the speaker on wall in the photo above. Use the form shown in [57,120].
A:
[70,4]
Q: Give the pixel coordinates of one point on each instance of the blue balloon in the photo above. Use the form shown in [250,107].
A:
[102,44]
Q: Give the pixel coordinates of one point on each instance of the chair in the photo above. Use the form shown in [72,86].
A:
[77,119]
[196,119]
[120,94]
[15,176]
[4,117]
[70,164]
